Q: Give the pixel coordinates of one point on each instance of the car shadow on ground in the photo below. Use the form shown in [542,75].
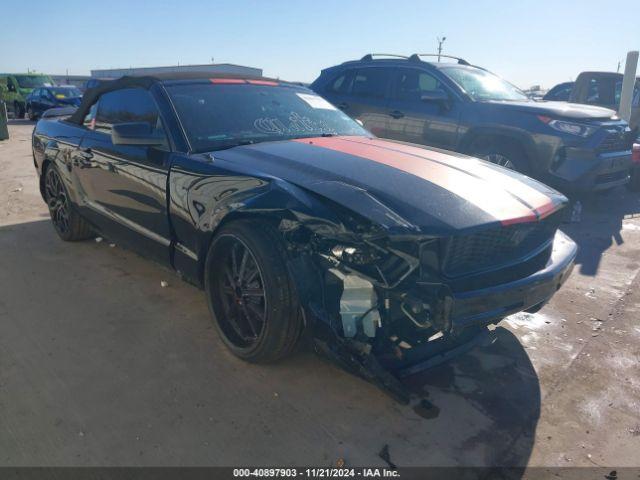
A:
[20,121]
[601,225]
[103,366]
[499,381]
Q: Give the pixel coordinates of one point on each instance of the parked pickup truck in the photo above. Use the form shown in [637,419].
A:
[294,218]
[602,89]
[16,87]
[460,107]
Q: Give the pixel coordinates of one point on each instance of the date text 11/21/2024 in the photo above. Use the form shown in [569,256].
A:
[320,472]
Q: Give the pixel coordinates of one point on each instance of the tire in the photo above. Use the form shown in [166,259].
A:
[30,115]
[503,152]
[634,183]
[251,296]
[67,222]
[18,111]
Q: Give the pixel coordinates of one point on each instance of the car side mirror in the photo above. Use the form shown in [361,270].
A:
[435,96]
[136,133]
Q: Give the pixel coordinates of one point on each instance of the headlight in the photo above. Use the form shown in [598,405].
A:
[357,256]
[568,127]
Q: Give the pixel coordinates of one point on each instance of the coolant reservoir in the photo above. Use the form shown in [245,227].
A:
[358,305]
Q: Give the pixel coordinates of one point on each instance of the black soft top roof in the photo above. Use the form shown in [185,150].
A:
[146,82]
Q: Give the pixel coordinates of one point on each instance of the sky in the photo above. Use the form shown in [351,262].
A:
[527,42]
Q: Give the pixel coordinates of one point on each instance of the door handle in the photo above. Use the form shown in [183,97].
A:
[343,105]
[396,114]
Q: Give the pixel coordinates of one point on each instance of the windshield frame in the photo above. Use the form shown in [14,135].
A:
[63,88]
[46,80]
[241,141]
[482,72]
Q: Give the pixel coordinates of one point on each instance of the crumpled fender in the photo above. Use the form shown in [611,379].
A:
[282,198]
[364,204]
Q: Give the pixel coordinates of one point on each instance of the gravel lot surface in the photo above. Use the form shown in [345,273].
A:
[101,365]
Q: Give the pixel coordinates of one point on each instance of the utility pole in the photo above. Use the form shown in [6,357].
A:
[440,42]
[629,78]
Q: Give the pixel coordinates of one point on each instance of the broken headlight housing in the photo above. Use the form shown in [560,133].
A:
[385,266]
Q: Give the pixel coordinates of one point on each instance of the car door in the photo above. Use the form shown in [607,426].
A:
[33,100]
[422,109]
[43,102]
[46,100]
[368,98]
[124,186]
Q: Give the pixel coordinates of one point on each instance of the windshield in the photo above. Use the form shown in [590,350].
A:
[217,116]
[33,81]
[482,85]
[65,92]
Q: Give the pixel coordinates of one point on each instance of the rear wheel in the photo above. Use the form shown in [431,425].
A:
[634,183]
[68,223]
[505,153]
[251,296]
[18,110]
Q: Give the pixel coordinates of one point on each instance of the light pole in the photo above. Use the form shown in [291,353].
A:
[440,42]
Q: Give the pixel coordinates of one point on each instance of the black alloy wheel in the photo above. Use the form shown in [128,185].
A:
[251,296]
[57,201]
[68,223]
[241,290]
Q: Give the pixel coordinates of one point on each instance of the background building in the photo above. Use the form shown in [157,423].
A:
[212,68]
[75,80]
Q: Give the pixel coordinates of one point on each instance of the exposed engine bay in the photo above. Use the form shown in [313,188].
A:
[382,307]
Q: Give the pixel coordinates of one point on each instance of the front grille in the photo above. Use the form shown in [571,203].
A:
[491,249]
[615,142]
[611,177]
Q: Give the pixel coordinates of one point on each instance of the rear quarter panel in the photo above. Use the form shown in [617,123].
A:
[54,141]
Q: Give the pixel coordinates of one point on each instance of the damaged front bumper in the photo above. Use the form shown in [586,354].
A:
[384,334]
[494,303]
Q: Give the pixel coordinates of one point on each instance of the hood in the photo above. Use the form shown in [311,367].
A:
[403,187]
[73,101]
[560,109]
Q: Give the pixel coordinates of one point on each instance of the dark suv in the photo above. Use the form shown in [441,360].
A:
[461,107]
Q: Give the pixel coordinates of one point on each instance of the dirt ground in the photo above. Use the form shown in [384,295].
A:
[100,365]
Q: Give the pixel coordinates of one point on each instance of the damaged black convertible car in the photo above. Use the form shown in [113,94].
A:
[294,219]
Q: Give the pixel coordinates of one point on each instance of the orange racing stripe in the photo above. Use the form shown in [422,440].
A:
[490,196]
[538,201]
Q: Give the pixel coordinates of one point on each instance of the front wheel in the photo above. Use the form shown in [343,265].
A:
[507,154]
[251,296]
[31,114]
[68,223]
